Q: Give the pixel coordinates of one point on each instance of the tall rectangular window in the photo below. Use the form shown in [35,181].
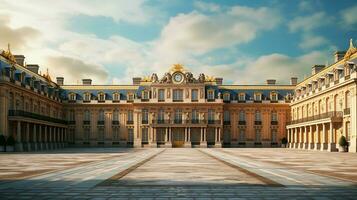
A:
[161,116]
[241,135]
[194,95]
[226,116]
[211,116]
[178,116]
[241,97]
[177,95]
[130,116]
[274,116]
[241,115]
[195,116]
[210,94]
[145,116]
[161,95]
[257,135]
[273,135]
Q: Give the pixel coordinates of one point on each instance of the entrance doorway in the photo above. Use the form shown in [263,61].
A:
[178,137]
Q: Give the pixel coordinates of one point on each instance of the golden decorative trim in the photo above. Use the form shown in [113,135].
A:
[351,50]
[8,55]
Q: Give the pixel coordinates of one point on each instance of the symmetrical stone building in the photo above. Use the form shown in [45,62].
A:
[325,105]
[178,110]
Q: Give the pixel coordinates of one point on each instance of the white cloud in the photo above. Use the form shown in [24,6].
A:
[310,41]
[349,16]
[305,6]
[309,23]
[273,66]
[199,33]
[205,6]
[76,70]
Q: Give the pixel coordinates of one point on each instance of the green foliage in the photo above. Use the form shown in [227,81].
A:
[284,141]
[10,141]
[342,142]
[2,140]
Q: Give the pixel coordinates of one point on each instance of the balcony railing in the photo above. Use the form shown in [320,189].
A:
[144,121]
[86,122]
[130,122]
[100,122]
[21,113]
[317,117]
[179,121]
[115,122]
[226,122]
[72,122]
[257,122]
[274,122]
[346,111]
[241,122]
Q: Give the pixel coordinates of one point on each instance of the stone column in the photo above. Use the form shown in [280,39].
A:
[35,137]
[323,138]
[311,141]
[19,144]
[331,144]
[28,143]
[295,138]
[301,143]
[40,139]
[317,136]
[305,138]
[50,139]
[46,145]
[203,138]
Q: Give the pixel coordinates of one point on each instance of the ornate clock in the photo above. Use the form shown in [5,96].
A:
[178,77]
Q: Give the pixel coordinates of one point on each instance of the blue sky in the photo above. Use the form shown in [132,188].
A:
[245,42]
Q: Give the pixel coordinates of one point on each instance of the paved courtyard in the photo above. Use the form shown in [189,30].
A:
[178,173]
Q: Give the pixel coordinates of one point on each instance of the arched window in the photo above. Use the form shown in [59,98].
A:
[241,97]
[130,97]
[210,94]
[274,116]
[226,96]
[348,100]
[72,96]
[101,97]
[257,96]
[87,97]
[145,95]
[274,96]
[116,96]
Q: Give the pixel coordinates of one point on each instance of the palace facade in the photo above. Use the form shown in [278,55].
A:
[324,107]
[178,109]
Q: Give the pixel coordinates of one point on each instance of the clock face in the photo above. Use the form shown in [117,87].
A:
[178,77]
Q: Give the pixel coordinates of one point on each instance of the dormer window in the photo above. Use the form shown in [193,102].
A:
[210,94]
[87,96]
[241,97]
[101,97]
[226,97]
[257,97]
[130,97]
[116,96]
[273,96]
[72,97]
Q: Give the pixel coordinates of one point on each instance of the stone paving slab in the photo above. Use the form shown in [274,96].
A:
[82,182]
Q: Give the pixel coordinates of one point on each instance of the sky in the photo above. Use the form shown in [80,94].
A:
[111,41]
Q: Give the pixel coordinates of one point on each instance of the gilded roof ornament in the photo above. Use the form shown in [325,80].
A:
[8,55]
[351,50]
[177,68]
[47,76]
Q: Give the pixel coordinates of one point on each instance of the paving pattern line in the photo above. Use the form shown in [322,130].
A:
[287,177]
[74,177]
[109,181]
[265,180]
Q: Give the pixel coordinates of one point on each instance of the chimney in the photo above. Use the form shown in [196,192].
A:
[271,82]
[219,81]
[293,80]
[87,81]
[317,68]
[20,59]
[339,55]
[136,80]
[33,67]
[60,80]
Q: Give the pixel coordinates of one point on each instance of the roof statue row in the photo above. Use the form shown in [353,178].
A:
[178,70]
